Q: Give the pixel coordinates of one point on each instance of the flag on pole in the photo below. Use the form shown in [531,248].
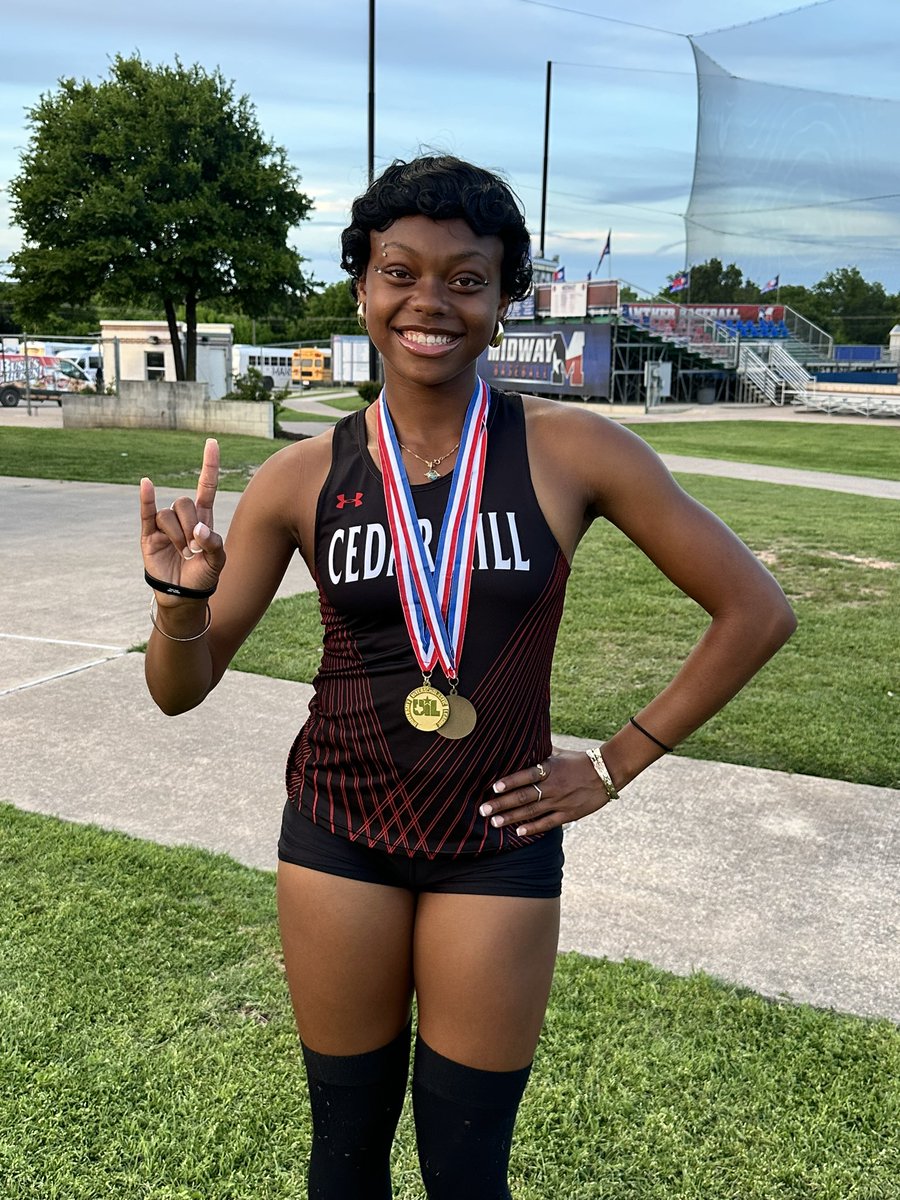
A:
[559,275]
[771,286]
[607,249]
[681,282]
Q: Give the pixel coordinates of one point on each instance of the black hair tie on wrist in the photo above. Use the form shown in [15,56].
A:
[177,589]
[647,734]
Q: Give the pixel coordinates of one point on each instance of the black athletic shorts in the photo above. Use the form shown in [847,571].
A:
[534,870]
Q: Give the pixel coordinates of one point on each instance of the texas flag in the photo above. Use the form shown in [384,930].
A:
[771,286]
[559,276]
[681,282]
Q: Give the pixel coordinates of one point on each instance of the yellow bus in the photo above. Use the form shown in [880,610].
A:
[311,365]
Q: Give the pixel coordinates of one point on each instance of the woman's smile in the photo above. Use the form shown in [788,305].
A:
[430,343]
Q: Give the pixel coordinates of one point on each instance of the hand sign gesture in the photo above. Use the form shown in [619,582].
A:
[178,543]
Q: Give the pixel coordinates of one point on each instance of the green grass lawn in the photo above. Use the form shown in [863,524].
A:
[170,458]
[847,449]
[147,1052]
[345,403]
[827,704]
[291,414]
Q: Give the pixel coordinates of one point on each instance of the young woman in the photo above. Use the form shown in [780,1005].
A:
[421,849]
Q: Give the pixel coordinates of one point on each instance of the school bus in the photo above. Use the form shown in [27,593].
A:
[311,365]
[274,363]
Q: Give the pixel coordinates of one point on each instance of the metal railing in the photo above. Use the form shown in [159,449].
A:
[794,375]
[755,377]
[821,344]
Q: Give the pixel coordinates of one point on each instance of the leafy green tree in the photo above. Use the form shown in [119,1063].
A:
[331,310]
[851,309]
[155,184]
[8,323]
[712,283]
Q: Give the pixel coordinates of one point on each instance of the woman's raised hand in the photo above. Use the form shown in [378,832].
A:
[178,543]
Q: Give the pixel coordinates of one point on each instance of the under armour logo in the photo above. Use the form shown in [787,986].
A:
[356,500]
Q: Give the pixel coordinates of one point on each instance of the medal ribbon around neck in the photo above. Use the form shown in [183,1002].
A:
[436,603]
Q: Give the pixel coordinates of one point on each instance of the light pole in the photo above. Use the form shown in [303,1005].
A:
[546,156]
[373,354]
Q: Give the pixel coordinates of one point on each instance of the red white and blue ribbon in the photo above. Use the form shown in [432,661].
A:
[435,601]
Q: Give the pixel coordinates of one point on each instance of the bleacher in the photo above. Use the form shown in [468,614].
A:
[770,356]
[761,330]
[857,400]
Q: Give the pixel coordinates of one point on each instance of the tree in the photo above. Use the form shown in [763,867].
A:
[851,309]
[331,310]
[155,185]
[8,324]
[711,283]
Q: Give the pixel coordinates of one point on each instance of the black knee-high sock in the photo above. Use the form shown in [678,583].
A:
[356,1102]
[464,1125]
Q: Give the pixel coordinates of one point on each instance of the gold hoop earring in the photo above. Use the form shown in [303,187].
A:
[361,315]
[498,335]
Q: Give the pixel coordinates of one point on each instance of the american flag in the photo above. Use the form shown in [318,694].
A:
[681,282]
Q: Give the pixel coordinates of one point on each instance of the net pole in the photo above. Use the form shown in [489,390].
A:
[546,155]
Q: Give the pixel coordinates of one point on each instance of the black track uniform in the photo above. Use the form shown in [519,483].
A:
[357,767]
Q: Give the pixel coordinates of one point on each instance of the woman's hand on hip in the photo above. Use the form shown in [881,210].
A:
[562,788]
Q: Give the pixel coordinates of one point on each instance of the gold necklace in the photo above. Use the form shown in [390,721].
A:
[430,463]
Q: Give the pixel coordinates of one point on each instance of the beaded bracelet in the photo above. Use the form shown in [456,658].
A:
[596,757]
[195,637]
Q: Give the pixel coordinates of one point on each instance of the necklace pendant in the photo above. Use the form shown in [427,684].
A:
[432,474]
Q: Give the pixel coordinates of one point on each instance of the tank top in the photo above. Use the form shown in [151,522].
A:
[357,767]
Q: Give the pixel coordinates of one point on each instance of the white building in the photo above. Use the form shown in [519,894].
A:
[142,350]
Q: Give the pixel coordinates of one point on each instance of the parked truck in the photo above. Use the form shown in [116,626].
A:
[40,376]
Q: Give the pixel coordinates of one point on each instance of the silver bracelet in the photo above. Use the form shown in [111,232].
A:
[596,757]
[195,637]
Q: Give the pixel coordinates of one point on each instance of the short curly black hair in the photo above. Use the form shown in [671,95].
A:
[441,187]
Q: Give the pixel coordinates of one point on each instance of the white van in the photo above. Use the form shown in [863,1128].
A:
[88,358]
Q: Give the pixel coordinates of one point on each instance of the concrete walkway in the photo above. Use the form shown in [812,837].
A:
[785,884]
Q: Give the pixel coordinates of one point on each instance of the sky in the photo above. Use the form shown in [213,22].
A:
[468,78]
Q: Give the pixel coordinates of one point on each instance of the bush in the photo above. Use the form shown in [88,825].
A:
[253,387]
[369,390]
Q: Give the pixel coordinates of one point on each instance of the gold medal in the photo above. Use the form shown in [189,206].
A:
[426,708]
[462,718]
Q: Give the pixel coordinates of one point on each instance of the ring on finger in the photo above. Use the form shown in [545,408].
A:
[538,790]
[541,770]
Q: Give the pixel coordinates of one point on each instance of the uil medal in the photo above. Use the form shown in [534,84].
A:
[462,717]
[426,708]
[434,594]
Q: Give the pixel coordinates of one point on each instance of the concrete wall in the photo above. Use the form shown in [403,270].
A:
[163,405]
